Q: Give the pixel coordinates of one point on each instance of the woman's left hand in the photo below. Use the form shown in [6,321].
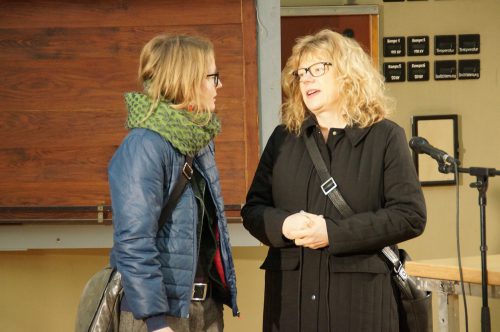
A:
[315,235]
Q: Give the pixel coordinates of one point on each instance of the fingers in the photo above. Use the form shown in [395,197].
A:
[302,225]
[300,233]
[295,222]
[314,236]
[311,215]
[300,241]
[307,228]
[310,243]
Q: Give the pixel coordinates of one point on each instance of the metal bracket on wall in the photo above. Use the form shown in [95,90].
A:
[100,213]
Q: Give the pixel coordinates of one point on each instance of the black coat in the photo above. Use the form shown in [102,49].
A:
[347,285]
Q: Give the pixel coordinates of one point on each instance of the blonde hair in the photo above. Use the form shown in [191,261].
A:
[362,99]
[172,68]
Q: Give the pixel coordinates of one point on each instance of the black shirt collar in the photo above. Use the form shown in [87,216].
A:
[354,134]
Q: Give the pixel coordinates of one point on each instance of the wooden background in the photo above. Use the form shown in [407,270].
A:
[64,69]
[364,28]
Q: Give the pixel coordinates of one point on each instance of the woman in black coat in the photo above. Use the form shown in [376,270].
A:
[325,272]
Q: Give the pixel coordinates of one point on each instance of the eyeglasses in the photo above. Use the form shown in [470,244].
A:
[215,78]
[316,70]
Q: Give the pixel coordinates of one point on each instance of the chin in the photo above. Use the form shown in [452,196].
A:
[314,110]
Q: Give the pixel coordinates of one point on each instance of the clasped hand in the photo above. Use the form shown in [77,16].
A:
[306,229]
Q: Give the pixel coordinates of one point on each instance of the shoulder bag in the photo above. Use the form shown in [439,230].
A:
[99,306]
[416,313]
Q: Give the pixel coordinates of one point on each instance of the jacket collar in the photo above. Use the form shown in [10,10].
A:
[354,134]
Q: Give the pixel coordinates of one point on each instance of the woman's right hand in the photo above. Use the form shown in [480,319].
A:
[295,222]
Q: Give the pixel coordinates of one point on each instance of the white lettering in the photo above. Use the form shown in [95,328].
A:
[395,78]
[393,41]
[419,76]
[398,66]
[441,76]
[444,50]
[418,40]
[469,49]
[468,74]
[418,65]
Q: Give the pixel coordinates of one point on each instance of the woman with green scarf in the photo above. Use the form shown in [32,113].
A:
[178,276]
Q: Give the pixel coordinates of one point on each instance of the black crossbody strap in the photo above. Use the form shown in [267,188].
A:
[329,188]
[184,177]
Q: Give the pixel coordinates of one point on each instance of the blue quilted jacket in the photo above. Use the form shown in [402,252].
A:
[158,268]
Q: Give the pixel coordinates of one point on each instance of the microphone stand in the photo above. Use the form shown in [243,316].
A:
[482,176]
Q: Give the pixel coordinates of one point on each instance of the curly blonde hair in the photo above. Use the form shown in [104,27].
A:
[172,68]
[362,92]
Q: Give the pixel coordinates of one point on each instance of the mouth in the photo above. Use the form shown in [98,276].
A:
[312,92]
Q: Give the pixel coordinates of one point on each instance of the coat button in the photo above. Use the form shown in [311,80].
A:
[313,297]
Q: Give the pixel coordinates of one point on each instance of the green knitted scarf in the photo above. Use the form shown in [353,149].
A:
[188,132]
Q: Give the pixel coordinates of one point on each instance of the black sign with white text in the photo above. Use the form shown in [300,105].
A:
[469,69]
[418,71]
[468,44]
[445,44]
[394,46]
[394,71]
[445,70]
[418,45]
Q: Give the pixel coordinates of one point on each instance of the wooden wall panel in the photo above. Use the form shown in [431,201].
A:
[95,42]
[48,85]
[87,13]
[56,164]
[32,129]
[251,89]
[65,67]
[293,27]
[41,62]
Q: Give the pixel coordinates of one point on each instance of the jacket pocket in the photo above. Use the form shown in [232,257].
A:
[281,260]
[369,263]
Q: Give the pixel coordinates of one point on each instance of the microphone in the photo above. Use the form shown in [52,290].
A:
[420,145]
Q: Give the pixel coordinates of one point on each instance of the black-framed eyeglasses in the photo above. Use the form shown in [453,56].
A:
[215,78]
[316,70]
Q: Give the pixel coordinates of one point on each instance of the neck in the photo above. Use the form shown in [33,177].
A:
[330,120]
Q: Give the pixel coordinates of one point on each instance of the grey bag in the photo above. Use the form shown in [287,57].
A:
[99,307]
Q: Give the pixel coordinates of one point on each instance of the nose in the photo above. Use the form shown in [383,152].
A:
[219,85]
[306,77]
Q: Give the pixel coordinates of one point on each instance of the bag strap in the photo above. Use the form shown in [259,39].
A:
[184,177]
[329,188]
